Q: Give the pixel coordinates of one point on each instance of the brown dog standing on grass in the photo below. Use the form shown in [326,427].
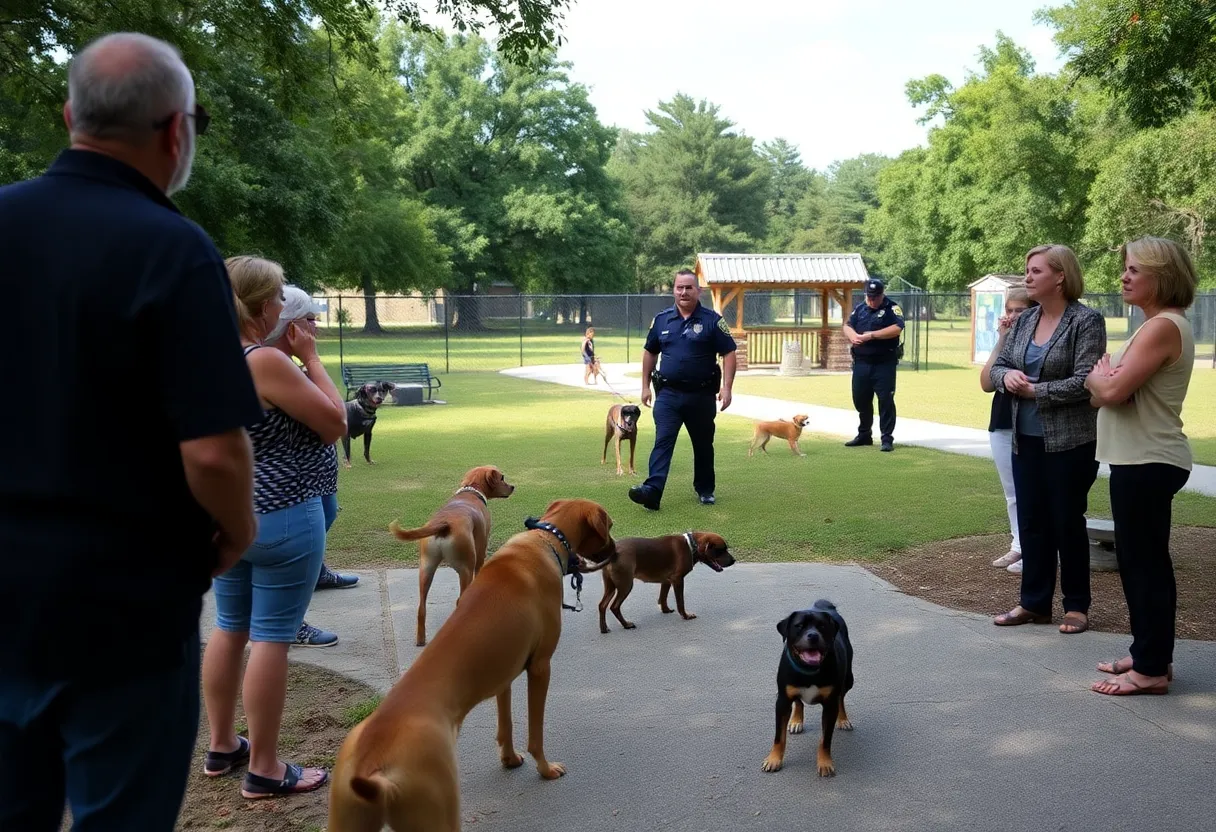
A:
[659,560]
[457,534]
[789,431]
[622,423]
[398,767]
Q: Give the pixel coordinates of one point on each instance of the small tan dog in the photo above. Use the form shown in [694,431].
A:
[789,431]
[457,534]
[398,767]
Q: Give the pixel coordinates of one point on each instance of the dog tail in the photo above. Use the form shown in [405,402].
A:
[437,529]
[371,788]
[824,604]
[597,567]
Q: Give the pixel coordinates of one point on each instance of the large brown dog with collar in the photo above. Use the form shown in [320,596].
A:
[398,767]
[659,560]
[622,423]
[457,534]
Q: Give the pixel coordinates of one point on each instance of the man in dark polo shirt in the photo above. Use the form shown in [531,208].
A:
[127,480]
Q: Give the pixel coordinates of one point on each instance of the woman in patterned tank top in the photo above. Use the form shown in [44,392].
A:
[321,473]
[1140,391]
[262,600]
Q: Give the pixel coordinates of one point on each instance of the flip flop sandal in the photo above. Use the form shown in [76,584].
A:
[219,763]
[1115,669]
[1075,623]
[1124,686]
[257,787]
[1014,619]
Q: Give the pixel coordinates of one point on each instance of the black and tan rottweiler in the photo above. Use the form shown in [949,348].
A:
[816,667]
[623,424]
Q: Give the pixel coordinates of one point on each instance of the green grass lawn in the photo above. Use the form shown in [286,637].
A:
[945,389]
[547,438]
[954,397]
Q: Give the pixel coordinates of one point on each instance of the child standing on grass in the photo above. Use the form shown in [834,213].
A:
[1000,425]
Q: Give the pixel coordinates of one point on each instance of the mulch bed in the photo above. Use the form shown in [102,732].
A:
[959,574]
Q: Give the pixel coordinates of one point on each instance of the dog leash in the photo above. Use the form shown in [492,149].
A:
[571,564]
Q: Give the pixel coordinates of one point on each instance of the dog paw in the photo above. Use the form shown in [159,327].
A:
[369,462]
[666,611]
[346,465]
[796,727]
[420,643]
[552,771]
[772,762]
[844,725]
[629,625]
[688,616]
[825,766]
[512,760]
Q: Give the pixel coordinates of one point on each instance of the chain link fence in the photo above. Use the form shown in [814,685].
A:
[465,333]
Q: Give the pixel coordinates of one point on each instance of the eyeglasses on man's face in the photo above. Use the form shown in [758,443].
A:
[201,117]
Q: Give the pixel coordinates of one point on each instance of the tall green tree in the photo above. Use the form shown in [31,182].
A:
[692,184]
[1003,171]
[790,183]
[1156,57]
[514,155]
[833,218]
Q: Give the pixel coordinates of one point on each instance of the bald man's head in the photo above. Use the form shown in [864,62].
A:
[128,90]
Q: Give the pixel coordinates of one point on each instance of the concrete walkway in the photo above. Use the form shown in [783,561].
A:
[960,724]
[824,420]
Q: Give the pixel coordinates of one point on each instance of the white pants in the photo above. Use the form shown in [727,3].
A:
[1001,442]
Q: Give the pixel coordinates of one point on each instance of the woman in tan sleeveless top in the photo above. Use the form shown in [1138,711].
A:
[1140,391]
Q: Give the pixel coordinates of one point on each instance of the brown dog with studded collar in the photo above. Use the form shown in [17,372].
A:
[658,560]
[398,767]
[456,534]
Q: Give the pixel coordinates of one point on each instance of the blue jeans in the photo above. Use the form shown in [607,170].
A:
[268,591]
[117,747]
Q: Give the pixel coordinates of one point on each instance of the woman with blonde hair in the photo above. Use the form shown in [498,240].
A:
[1139,392]
[262,600]
[1043,365]
[1000,425]
[299,309]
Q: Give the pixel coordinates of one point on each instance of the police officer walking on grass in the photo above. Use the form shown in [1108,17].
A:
[690,338]
[873,329]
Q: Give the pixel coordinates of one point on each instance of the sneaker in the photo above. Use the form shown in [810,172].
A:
[643,496]
[1007,558]
[310,636]
[707,499]
[859,440]
[888,446]
[1015,567]
[332,580]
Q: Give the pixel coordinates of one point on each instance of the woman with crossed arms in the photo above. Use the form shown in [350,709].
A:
[1051,349]
[1139,392]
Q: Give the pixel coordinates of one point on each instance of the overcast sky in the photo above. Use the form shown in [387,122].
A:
[828,75]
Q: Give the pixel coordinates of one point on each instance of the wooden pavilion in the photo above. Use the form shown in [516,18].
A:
[832,277]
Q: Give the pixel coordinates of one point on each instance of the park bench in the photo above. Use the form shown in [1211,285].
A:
[405,376]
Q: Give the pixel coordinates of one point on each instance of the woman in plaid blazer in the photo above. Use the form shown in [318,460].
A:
[1043,365]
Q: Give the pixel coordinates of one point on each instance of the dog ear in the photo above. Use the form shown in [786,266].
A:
[784,625]
[555,505]
[600,523]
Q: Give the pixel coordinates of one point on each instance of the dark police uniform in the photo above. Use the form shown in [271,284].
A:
[687,393]
[874,366]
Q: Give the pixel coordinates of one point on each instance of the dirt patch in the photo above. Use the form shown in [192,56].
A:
[321,708]
[959,574]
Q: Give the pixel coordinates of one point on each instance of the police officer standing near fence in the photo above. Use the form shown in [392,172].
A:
[874,329]
[690,338]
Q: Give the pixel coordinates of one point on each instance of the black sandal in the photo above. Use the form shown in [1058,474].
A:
[257,787]
[219,763]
